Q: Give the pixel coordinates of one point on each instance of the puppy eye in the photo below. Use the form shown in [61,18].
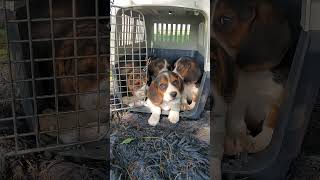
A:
[175,82]
[225,20]
[163,86]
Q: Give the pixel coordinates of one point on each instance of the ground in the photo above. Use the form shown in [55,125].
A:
[49,166]
[167,151]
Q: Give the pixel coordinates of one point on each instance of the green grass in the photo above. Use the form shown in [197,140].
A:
[168,38]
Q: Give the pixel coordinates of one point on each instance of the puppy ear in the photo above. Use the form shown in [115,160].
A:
[153,93]
[181,83]
[169,67]
[224,79]
[193,72]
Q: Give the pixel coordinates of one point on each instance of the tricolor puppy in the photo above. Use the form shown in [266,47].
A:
[165,94]
[156,66]
[189,71]
[253,37]
[136,79]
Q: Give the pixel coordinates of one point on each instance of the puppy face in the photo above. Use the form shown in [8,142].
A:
[87,67]
[232,21]
[166,87]
[135,77]
[157,66]
[256,33]
[136,80]
[188,68]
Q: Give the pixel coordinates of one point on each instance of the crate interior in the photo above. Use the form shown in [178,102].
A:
[169,32]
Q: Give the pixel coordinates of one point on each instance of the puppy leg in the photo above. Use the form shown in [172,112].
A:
[236,127]
[193,96]
[174,111]
[155,113]
[190,93]
[217,136]
[173,116]
[263,139]
[184,102]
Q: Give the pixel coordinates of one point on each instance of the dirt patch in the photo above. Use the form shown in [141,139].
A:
[167,151]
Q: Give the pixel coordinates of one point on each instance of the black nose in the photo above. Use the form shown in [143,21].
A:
[173,94]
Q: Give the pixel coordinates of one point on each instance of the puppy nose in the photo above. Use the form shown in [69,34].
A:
[173,94]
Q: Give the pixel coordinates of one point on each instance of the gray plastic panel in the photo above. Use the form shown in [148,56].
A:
[310,15]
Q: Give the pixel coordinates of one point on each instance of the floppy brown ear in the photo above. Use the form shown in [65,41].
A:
[225,74]
[181,87]
[194,72]
[153,93]
[267,42]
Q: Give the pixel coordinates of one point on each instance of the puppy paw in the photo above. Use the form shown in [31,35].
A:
[173,116]
[192,105]
[154,119]
[184,107]
[233,146]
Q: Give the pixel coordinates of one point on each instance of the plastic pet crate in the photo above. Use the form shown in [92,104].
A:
[168,30]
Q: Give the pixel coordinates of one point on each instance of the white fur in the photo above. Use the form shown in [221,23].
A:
[155,113]
[171,88]
[256,92]
[167,104]
[190,91]
[173,116]
[165,66]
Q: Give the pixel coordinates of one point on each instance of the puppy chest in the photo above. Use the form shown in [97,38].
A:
[171,105]
[258,84]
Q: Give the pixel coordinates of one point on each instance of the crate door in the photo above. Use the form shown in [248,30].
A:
[128,59]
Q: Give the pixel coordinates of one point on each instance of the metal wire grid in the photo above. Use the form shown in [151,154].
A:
[128,58]
[20,108]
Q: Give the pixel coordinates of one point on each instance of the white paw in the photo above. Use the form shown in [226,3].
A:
[154,119]
[192,105]
[173,116]
[184,107]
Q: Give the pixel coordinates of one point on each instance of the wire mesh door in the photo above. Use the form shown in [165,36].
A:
[128,59]
[53,68]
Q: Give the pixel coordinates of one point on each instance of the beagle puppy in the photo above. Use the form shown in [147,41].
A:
[189,71]
[138,81]
[75,67]
[87,68]
[156,66]
[165,94]
[249,38]
[133,84]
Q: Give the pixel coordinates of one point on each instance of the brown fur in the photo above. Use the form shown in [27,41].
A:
[135,77]
[258,34]
[225,72]
[155,93]
[66,66]
[189,69]
[156,65]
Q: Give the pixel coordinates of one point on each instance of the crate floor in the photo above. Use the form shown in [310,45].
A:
[167,151]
